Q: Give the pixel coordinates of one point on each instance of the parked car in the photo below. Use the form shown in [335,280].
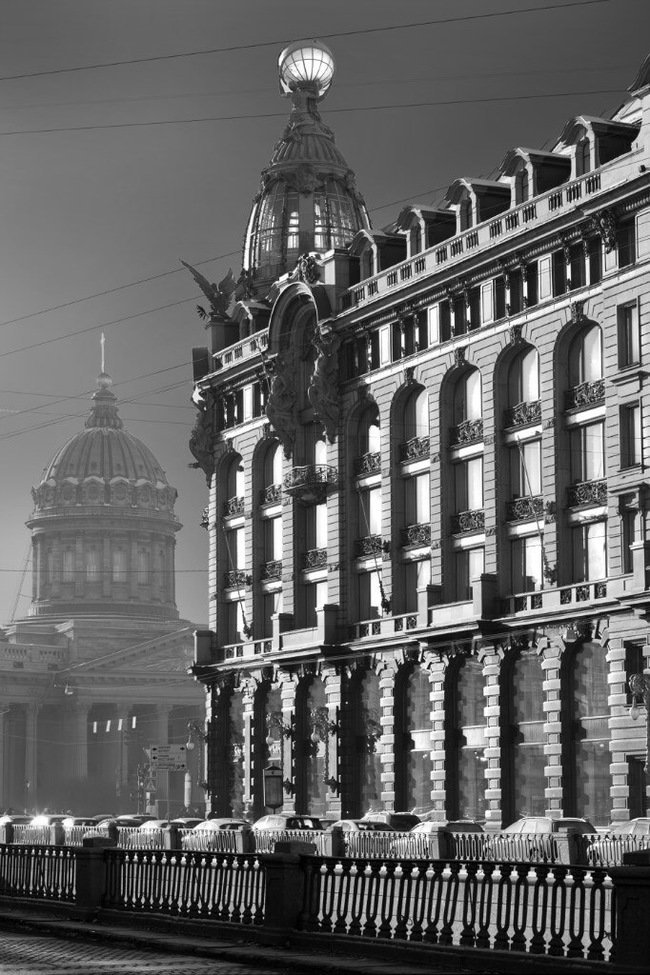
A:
[626,837]
[419,842]
[215,834]
[365,837]
[400,821]
[532,838]
[15,819]
[105,827]
[187,822]
[287,821]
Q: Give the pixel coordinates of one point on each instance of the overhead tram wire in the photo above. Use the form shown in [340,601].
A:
[278,42]
[331,111]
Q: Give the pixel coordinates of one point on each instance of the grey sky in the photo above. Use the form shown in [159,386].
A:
[92,210]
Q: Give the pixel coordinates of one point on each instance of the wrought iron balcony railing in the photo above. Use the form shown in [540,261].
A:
[468,521]
[587,492]
[586,394]
[236,578]
[416,535]
[469,431]
[414,449]
[523,508]
[367,464]
[315,558]
[312,483]
[271,571]
[271,494]
[233,506]
[369,545]
[523,413]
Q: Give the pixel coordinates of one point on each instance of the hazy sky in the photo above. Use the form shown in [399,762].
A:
[108,199]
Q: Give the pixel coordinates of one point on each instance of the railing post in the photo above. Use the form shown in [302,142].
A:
[8,838]
[632,886]
[285,888]
[57,834]
[244,841]
[570,846]
[333,842]
[90,882]
[171,838]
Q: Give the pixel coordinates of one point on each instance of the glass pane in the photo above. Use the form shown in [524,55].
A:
[476,563]
[530,377]
[531,459]
[593,438]
[473,396]
[474,483]
[592,365]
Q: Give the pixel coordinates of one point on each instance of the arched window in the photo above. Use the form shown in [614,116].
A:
[272,475]
[368,432]
[311,744]
[523,378]
[522,186]
[416,415]
[466,215]
[366,782]
[467,397]
[235,480]
[413,785]
[528,738]
[586,356]
[467,742]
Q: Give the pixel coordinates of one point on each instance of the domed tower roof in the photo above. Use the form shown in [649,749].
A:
[308,199]
[103,524]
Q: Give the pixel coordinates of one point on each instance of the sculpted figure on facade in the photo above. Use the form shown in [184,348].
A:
[201,441]
[218,295]
[281,404]
[323,391]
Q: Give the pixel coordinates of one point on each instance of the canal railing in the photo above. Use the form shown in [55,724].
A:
[556,911]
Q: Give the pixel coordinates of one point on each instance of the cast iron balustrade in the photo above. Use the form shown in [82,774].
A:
[272,494]
[587,492]
[367,464]
[469,431]
[414,449]
[586,394]
[233,506]
[235,578]
[523,508]
[312,483]
[369,545]
[522,414]
[315,558]
[271,570]
[468,521]
[416,535]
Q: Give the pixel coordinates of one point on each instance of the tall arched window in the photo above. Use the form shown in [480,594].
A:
[466,741]
[528,736]
[368,432]
[235,487]
[523,378]
[586,356]
[416,418]
[468,397]
[366,730]
[413,771]
[311,746]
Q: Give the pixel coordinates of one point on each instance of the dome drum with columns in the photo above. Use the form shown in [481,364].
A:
[103,525]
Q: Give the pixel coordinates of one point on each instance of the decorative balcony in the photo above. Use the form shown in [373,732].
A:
[271,494]
[469,431]
[521,509]
[367,464]
[233,506]
[236,578]
[414,449]
[587,492]
[312,483]
[522,414]
[586,394]
[370,545]
[271,571]
[416,535]
[315,558]
[468,521]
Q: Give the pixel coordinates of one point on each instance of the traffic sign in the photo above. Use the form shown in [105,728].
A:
[172,758]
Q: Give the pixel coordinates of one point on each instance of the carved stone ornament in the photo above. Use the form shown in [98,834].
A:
[323,389]
[515,334]
[201,443]
[459,356]
[605,224]
[409,375]
[308,268]
[304,179]
[577,312]
[281,403]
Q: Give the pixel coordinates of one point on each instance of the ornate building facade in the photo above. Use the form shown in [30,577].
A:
[98,670]
[426,450]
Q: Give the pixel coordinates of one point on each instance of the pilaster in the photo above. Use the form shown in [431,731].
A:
[553,792]
[387,741]
[491,658]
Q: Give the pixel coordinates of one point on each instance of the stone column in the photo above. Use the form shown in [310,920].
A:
[248,698]
[437,667]
[553,730]
[387,740]
[332,681]
[491,657]
[31,731]
[78,740]
[288,694]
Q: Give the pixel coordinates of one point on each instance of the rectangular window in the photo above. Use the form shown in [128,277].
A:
[369,596]
[235,622]
[526,469]
[417,498]
[588,452]
[516,292]
[630,434]
[626,243]
[559,273]
[526,564]
[532,276]
[317,526]
[68,565]
[629,346]
[119,565]
[590,552]
[634,664]
[92,565]
[271,604]
[272,539]
[469,566]
[629,522]
[499,295]
[474,308]
[577,266]
[595,251]
[445,321]
[143,567]
[460,316]
[370,512]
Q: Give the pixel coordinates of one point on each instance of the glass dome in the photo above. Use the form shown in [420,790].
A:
[304,65]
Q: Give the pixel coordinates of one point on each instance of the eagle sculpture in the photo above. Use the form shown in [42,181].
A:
[219,295]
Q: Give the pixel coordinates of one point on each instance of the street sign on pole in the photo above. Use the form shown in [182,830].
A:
[170,758]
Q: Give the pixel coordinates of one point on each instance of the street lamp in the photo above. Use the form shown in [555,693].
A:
[639,684]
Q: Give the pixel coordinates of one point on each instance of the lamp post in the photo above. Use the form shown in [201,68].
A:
[639,684]
[196,732]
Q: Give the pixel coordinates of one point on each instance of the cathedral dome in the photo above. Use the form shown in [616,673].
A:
[308,199]
[103,524]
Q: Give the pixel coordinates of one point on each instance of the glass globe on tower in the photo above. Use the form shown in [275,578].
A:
[304,65]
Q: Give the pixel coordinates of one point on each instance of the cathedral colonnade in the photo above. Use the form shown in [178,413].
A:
[474,731]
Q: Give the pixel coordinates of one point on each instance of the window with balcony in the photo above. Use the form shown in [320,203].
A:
[235,624]
[468,409]
[590,552]
[369,541]
[588,452]
[586,368]
[469,484]
[415,425]
[272,472]
[235,488]
[367,458]
[629,340]
[523,390]
[630,434]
